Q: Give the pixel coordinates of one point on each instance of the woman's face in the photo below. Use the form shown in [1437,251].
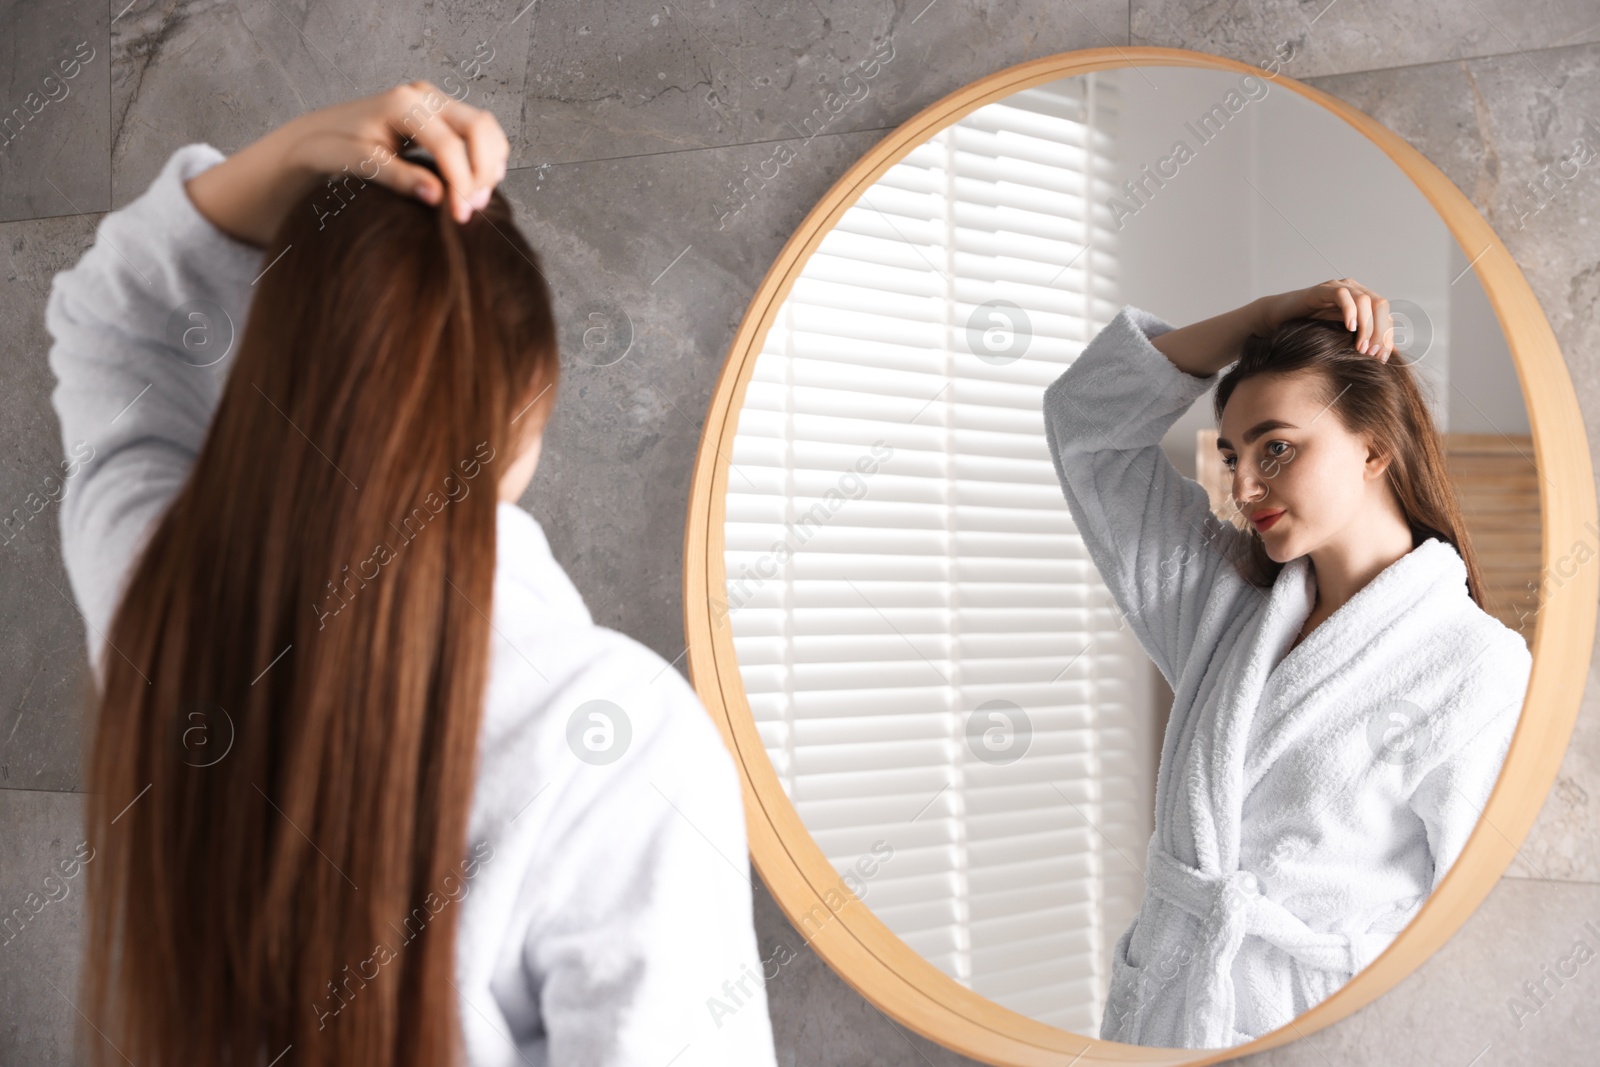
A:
[1299,477]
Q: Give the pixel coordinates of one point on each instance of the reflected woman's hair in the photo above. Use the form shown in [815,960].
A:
[1371,397]
[316,597]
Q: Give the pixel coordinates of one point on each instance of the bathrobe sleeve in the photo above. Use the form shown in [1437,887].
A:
[1149,530]
[136,383]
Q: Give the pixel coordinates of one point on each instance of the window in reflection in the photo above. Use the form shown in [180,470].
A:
[911,606]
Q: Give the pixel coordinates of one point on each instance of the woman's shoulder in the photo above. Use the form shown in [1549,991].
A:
[1491,646]
[674,715]
[595,696]
[558,678]
[1489,686]
[1480,640]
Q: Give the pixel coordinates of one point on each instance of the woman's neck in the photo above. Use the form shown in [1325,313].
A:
[1344,564]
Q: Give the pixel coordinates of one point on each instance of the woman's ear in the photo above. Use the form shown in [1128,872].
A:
[1378,461]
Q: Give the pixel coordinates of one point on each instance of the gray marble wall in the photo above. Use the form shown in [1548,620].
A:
[627,119]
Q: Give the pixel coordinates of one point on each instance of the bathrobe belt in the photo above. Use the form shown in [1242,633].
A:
[1229,906]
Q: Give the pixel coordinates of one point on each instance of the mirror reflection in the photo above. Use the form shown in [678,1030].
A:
[1135,647]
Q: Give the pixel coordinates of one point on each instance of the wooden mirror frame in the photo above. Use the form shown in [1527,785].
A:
[842,929]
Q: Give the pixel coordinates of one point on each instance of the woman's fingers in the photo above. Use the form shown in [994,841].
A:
[1374,325]
[1385,328]
[411,179]
[470,149]
[364,138]
[1347,304]
[487,146]
[1363,312]
[1379,334]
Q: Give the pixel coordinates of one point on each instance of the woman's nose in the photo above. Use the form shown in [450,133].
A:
[1248,486]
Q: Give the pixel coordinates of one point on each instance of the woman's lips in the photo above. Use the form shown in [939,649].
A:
[1266,522]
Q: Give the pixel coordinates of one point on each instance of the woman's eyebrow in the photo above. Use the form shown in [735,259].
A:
[1257,430]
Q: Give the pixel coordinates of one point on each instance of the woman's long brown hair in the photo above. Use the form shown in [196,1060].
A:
[1371,397]
[283,757]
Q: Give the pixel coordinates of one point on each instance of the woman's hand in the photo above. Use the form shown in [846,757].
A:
[248,194]
[1362,310]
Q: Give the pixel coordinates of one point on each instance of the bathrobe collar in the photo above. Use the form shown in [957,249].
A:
[1283,680]
[529,582]
[1432,566]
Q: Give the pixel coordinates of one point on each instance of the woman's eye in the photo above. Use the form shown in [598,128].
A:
[1273,444]
[1228,462]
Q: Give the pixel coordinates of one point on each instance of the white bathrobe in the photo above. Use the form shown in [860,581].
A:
[1307,801]
[606,915]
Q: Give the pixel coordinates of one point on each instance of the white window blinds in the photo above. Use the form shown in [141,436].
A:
[901,561]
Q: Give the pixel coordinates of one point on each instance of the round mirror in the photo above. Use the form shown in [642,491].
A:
[946,596]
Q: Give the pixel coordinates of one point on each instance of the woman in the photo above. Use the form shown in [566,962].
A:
[367,782]
[1342,702]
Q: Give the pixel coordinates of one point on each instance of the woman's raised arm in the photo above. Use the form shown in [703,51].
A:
[247,195]
[1149,530]
[1203,348]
